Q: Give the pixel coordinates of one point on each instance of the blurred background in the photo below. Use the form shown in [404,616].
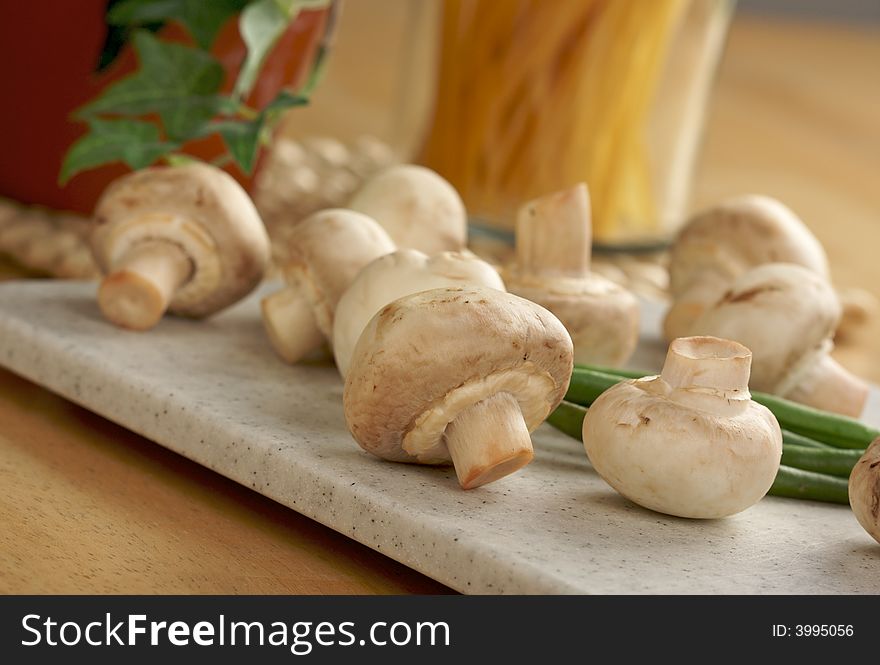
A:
[779,97]
[849,10]
[793,105]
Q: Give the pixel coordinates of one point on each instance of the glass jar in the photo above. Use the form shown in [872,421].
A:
[533,96]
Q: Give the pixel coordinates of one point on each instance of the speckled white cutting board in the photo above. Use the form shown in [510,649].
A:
[214,392]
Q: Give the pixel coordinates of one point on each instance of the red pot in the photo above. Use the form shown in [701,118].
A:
[48,51]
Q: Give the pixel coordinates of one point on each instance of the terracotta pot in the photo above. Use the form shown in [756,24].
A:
[48,52]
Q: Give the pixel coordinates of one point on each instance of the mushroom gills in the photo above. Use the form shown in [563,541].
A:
[489,440]
[186,239]
[415,393]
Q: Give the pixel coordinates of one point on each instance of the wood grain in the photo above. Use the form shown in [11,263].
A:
[89,507]
[86,506]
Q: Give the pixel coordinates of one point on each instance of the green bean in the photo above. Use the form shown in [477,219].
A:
[800,484]
[832,462]
[839,431]
[587,385]
[569,419]
[615,371]
[790,438]
[823,426]
[790,482]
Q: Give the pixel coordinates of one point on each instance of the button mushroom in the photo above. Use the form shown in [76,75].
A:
[864,490]
[458,374]
[786,315]
[719,244]
[553,242]
[689,442]
[416,206]
[326,251]
[396,275]
[186,239]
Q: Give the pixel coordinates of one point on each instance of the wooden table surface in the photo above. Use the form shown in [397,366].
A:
[87,506]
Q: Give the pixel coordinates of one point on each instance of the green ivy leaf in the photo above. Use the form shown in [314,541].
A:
[243,137]
[138,12]
[179,83]
[261,25]
[202,18]
[118,36]
[134,142]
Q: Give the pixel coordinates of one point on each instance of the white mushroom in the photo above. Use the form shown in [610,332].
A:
[864,490]
[859,306]
[719,244]
[24,229]
[786,315]
[8,212]
[396,275]
[186,238]
[417,207]
[689,442]
[458,374]
[326,251]
[553,243]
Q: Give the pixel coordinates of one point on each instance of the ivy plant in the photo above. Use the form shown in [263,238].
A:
[175,94]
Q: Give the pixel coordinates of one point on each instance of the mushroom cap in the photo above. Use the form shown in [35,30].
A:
[396,275]
[785,313]
[741,233]
[426,357]
[864,490]
[679,460]
[326,252]
[199,208]
[602,317]
[417,207]
[720,243]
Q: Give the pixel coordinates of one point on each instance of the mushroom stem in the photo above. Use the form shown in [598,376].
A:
[488,441]
[710,367]
[554,233]
[830,387]
[137,292]
[290,324]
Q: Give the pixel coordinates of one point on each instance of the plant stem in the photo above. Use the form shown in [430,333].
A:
[247,112]
[221,161]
